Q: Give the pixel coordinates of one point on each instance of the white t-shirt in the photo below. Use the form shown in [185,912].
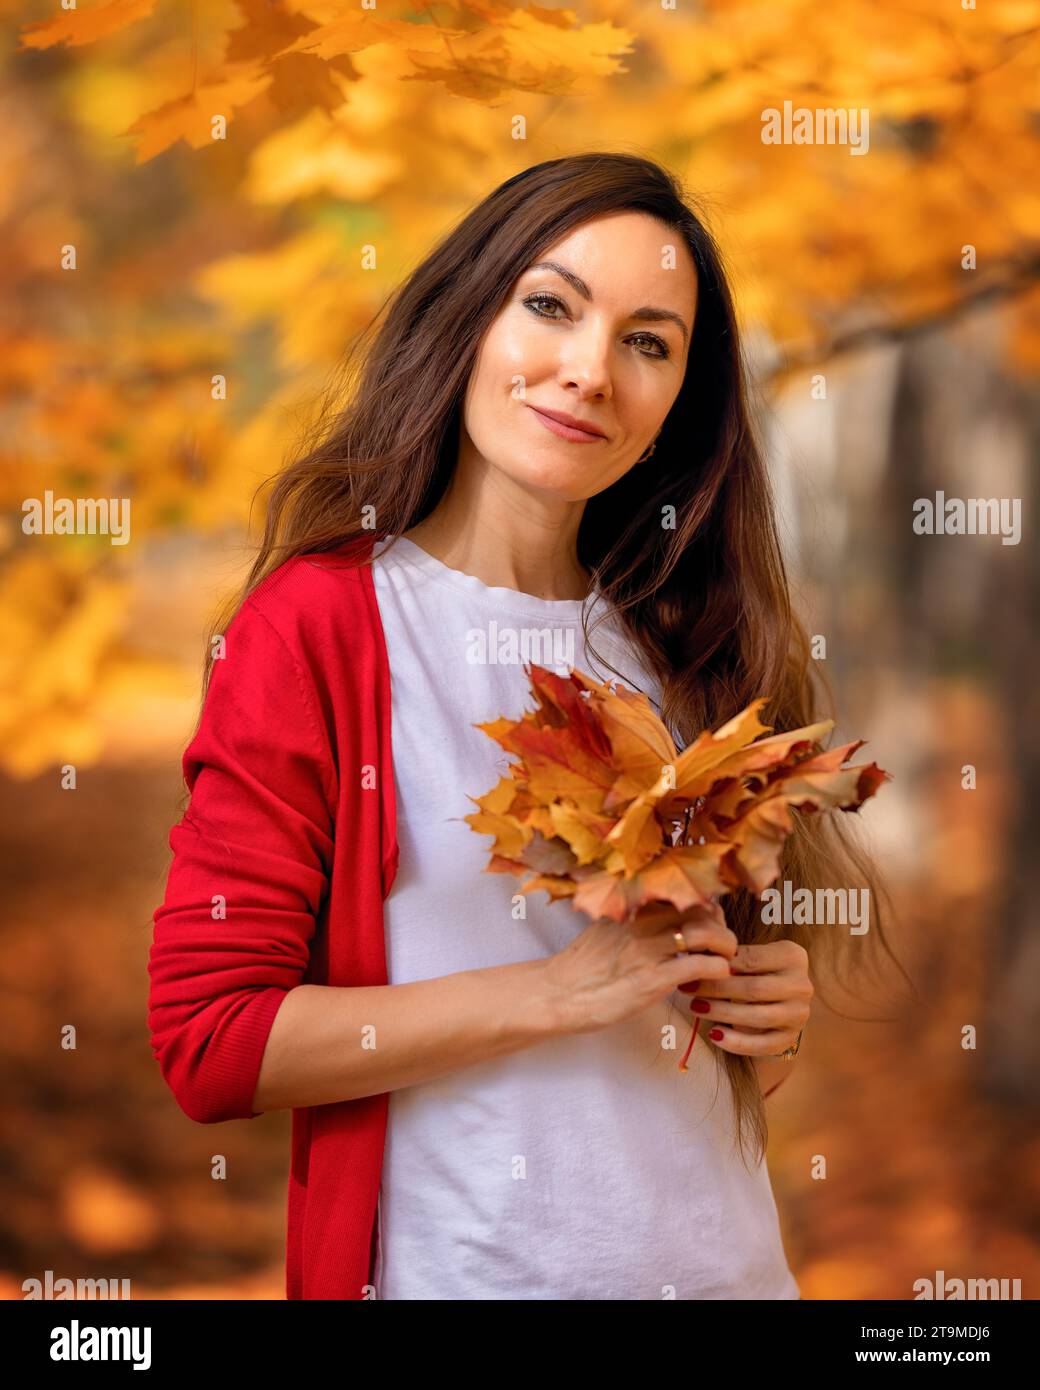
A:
[582,1167]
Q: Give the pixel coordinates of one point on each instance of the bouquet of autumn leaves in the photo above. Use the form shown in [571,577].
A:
[601,808]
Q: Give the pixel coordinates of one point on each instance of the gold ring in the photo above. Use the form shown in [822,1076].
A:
[680,941]
[790,1053]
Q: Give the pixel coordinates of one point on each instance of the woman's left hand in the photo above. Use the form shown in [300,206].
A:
[764,1004]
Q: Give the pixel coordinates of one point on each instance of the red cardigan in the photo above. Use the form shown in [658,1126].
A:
[281,864]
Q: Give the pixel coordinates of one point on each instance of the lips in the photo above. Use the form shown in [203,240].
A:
[567,427]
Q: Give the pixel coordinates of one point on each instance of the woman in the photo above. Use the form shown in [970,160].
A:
[549,427]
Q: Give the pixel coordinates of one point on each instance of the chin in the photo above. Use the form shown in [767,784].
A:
[558,475]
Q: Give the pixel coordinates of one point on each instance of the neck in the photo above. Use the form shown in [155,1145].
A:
[520,546]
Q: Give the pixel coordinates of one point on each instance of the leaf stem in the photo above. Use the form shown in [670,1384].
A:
[689,1046]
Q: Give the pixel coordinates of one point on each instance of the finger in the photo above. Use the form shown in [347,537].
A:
[678,969]
[757,989]
[767,1044]
[769,956]
[754,1017]
[657,917]
[698,936]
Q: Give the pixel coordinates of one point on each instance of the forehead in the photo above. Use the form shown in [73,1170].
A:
[628,256]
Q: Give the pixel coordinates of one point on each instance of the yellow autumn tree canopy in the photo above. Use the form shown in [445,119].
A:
[204,203]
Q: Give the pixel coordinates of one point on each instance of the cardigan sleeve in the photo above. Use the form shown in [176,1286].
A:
[251,857]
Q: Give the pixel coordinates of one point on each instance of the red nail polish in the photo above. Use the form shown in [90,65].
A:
[715,1035]
[701,1005]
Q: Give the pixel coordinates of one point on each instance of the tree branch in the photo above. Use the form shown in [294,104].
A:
[1019,274]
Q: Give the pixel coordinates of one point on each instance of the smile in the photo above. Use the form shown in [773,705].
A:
[567,431]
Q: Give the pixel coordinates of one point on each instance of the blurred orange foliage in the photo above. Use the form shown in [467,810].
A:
[204,203]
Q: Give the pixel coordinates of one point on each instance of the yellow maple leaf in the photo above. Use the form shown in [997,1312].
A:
[190,118]
[78,26]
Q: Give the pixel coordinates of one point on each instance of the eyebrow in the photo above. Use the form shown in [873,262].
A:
[647,313]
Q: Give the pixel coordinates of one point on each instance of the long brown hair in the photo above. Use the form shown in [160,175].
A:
[705,597]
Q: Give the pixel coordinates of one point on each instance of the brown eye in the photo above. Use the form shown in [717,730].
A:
[533,299]
[657,342]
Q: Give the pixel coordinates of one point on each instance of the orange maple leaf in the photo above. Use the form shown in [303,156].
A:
[602,809]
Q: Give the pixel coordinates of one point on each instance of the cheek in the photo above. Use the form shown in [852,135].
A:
[515,348]
[494,393]
[492,380]
[654,392]
[489,381]
[642,402]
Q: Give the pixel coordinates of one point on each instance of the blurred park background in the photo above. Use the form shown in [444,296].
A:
[177,292]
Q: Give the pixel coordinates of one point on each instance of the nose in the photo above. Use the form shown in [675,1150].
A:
[585,362]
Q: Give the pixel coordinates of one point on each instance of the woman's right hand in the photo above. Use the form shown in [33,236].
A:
[612,971]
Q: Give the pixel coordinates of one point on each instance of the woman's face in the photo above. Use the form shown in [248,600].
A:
[601,336]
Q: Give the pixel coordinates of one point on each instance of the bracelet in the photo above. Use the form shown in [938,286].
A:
[790,1053]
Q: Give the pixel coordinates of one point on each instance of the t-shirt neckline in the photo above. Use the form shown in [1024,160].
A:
[499,596]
